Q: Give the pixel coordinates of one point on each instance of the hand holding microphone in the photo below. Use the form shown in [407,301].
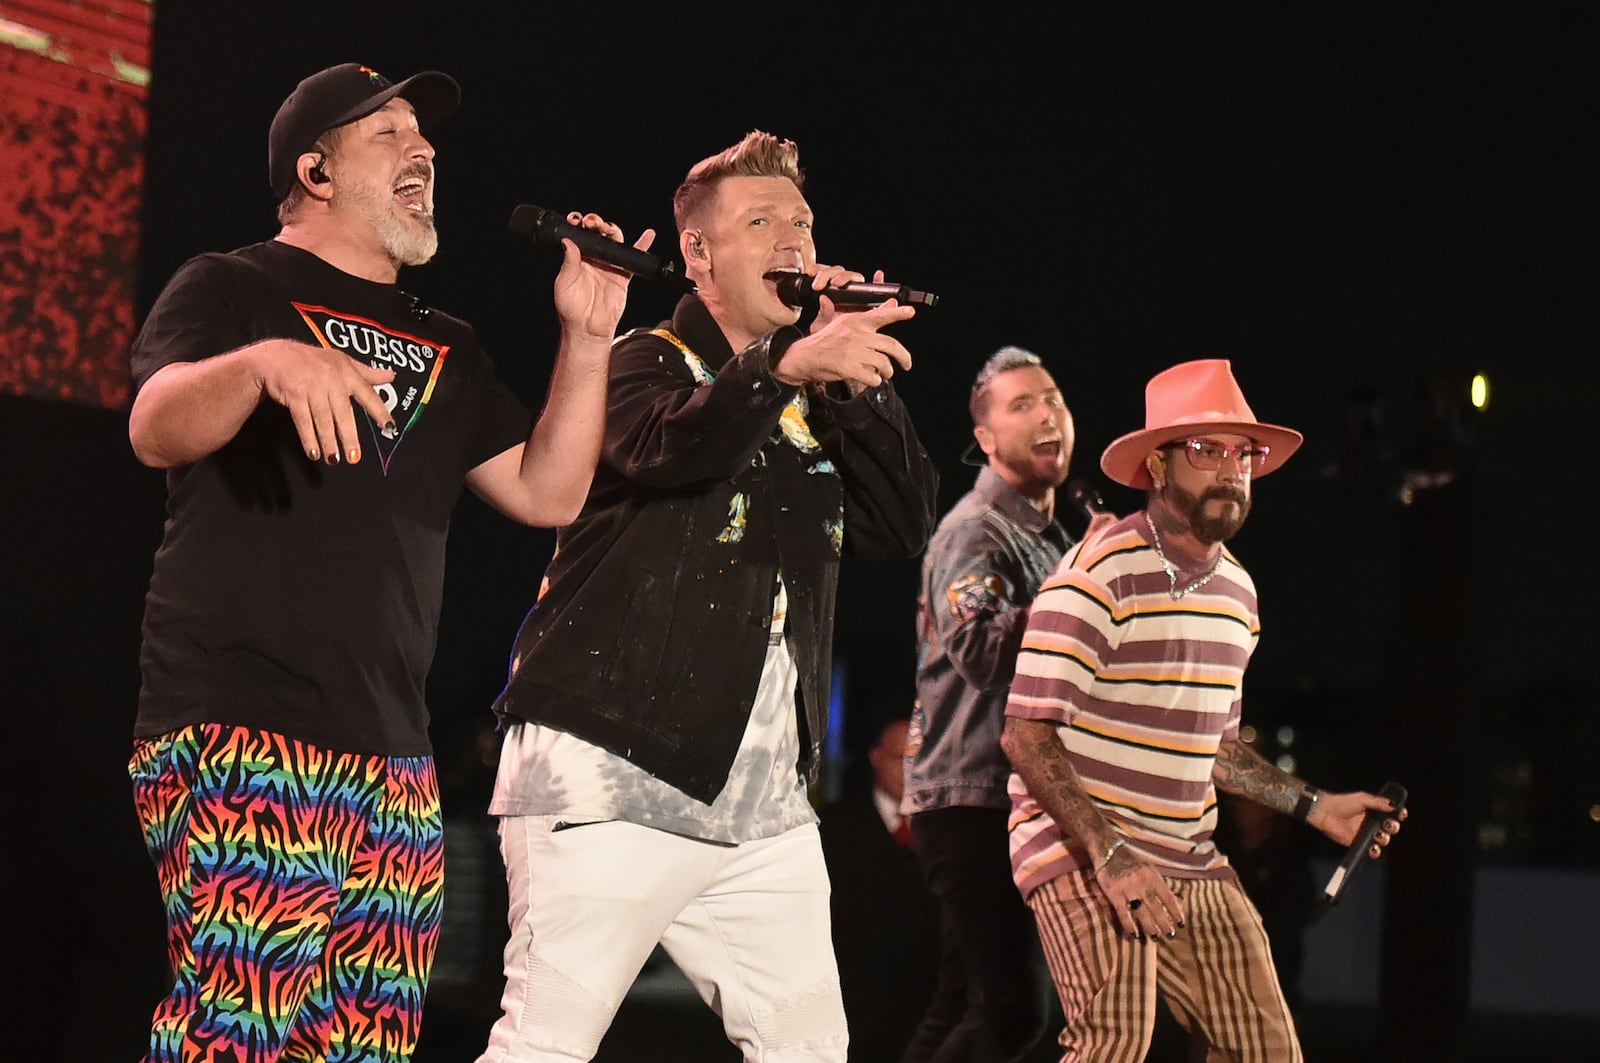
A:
[589,301]
[1359,851]
[796,290]
[547,228]
[850,349]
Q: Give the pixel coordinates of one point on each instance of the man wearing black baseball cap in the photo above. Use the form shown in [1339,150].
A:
[340,94]
[282,770]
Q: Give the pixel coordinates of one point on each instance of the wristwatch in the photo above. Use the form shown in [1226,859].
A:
[1308,800]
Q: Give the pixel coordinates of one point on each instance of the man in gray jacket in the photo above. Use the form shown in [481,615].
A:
[981,570]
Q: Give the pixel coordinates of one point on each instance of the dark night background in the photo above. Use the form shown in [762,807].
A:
[1347,201]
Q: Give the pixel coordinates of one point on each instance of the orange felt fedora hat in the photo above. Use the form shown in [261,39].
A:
[1199,396]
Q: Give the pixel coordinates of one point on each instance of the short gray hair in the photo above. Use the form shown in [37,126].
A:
[1002,361]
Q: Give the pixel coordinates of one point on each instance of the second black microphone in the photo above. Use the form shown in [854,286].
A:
[548,228]
[795,289]
[1357,855]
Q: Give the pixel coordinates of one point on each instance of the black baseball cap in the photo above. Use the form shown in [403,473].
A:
[343,94]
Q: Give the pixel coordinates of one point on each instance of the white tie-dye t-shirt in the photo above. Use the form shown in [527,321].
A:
[548,772]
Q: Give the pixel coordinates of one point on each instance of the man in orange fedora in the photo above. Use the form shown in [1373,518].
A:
[1122,725]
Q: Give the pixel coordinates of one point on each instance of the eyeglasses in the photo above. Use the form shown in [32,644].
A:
[1208,456]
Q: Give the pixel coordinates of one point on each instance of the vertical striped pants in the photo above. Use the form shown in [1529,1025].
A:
[1216,974]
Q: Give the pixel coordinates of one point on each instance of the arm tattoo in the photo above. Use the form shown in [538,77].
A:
[1241,770]
[1040,758]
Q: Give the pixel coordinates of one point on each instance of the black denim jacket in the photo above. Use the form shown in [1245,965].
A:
[651,632]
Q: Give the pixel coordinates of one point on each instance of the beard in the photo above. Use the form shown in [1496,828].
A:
[1036,479]
[1032,474]
[407,243]
[1208,529]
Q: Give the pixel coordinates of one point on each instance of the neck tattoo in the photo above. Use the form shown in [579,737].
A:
[1172,573]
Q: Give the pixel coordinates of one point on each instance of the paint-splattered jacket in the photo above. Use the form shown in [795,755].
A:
[650,632]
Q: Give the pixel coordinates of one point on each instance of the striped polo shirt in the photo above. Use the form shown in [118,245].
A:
[1144,688]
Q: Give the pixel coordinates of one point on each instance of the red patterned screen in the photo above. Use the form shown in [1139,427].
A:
[73,75]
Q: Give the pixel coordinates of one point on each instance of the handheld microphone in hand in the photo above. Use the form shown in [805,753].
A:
[1356,855]
[795,289]
[1087,497]
[547,228]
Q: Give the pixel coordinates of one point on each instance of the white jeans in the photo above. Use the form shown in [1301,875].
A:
[747,924]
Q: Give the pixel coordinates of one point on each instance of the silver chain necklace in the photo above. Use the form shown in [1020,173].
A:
[1172,573]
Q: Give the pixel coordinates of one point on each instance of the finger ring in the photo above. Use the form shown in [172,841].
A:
[1133,905]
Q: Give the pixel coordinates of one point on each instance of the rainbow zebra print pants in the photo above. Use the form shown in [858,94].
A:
[303,892]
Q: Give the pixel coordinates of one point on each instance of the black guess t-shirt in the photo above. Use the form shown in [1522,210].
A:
[298,596]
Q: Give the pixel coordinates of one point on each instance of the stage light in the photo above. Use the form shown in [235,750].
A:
[1480,391]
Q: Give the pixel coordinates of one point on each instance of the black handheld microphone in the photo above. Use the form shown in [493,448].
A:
[546,227]
[1086,497]
[1356,855]
[795,289]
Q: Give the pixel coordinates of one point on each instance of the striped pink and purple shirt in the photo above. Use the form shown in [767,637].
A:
[1144,689]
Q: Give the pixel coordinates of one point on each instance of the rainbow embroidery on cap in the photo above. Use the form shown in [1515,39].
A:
[375,77]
